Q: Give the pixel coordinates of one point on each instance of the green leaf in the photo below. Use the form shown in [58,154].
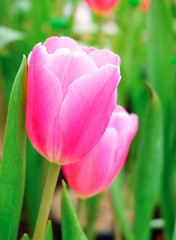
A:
[4,11]
[8,35]
[92,207]
[160,46]
[40,27]
[71,229]
[130,54]
[119,209]
[169,182]
[59,22]
[160,69]
[150,165]
[12,168]
[174,232]
[25,237]
[173,60]
[133,3]
[49,232]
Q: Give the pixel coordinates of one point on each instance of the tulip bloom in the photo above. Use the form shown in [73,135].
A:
[101,6]
[144,5]
[95,171]
[71,96]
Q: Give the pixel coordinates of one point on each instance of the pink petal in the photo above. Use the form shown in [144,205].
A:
[96,170]
[69,67]
[86,110]
[87,176]
[101,6]
[144,5]
[103,161]
[102,57]
[126,126]
[54,43]
[88,50]
[124,122]
[29,58]
[58,63]
[43,103]
[79,65]
[37,58]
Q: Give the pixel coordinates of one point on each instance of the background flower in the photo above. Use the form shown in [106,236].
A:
[144,5]
[101,6]
[95,171]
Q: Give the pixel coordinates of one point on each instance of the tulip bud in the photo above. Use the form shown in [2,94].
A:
[144,5]
[101,6]
[95,171]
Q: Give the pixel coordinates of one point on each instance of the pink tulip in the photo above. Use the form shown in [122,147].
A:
[144,5]
[95,171]
[101,6]
[71,96]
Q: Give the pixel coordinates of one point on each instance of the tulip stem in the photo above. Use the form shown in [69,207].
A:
[51,180]
[119,209]
[174,231]
[100,31]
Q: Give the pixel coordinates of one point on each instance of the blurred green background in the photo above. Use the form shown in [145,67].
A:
[146,43]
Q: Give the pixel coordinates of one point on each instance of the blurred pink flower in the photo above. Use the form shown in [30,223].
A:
[71,96]
[144,5]
[101,6]
[95,171]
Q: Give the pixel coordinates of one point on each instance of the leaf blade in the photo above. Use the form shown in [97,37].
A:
[119,208]
[12,168]
[161,77]
[150,166]
[25,237]
[49,232]
[71,228]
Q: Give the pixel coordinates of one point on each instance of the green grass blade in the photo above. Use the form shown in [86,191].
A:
[92,209]
[133,3]
[40,15]
[4,13]
[150,166]
[160,51]
[25,237]
[71,229]
[169,182]
[12,169]
[49,232]
[118,206]
[160,48]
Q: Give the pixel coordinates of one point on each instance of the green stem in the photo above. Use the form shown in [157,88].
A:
[100,32]
[131,38]
[45,205]
[174,232]
[92,207]
[80,208]
[119,208]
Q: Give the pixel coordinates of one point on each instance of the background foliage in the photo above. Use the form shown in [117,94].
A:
[145,41]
